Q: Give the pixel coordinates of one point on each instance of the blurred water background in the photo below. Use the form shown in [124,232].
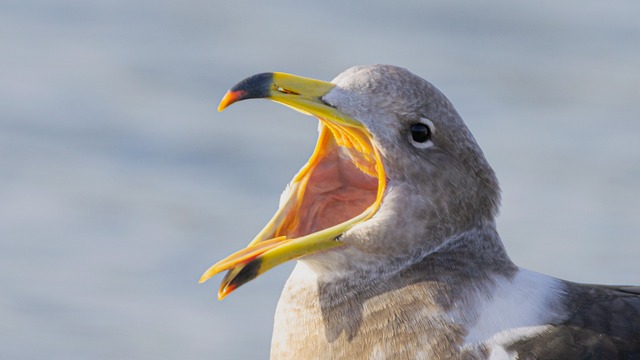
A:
[120,183]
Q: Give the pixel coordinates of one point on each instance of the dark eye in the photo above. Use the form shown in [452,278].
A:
[420,132]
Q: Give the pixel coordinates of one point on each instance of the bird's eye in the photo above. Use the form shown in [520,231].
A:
[420,133]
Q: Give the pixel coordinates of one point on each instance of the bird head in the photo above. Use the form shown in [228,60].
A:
[395,173]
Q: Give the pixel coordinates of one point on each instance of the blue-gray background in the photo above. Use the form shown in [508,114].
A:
[120,183]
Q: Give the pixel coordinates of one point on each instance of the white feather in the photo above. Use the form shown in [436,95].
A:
[517,308]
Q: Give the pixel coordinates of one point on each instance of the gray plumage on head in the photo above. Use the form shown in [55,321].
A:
[435,192]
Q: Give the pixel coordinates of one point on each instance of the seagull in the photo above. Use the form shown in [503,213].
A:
[392,224]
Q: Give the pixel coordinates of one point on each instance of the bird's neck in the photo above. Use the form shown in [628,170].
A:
[480,247]
[478,252]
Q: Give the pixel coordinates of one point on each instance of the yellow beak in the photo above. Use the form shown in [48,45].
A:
[340,186]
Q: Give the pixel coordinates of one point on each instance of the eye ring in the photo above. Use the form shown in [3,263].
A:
[420,133]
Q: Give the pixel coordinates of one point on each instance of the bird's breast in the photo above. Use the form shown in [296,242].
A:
[338,320]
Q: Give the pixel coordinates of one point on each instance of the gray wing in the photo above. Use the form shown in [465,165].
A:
[602,322]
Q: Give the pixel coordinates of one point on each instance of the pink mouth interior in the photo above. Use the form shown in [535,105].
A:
[336,192]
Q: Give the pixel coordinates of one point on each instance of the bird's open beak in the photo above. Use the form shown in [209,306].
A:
[340,186]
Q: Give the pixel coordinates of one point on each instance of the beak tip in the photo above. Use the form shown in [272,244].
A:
[230,97]
[206,276]
[224,291]
[226,101]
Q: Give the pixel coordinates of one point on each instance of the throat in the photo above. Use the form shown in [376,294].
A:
[467,261]
[476,253]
